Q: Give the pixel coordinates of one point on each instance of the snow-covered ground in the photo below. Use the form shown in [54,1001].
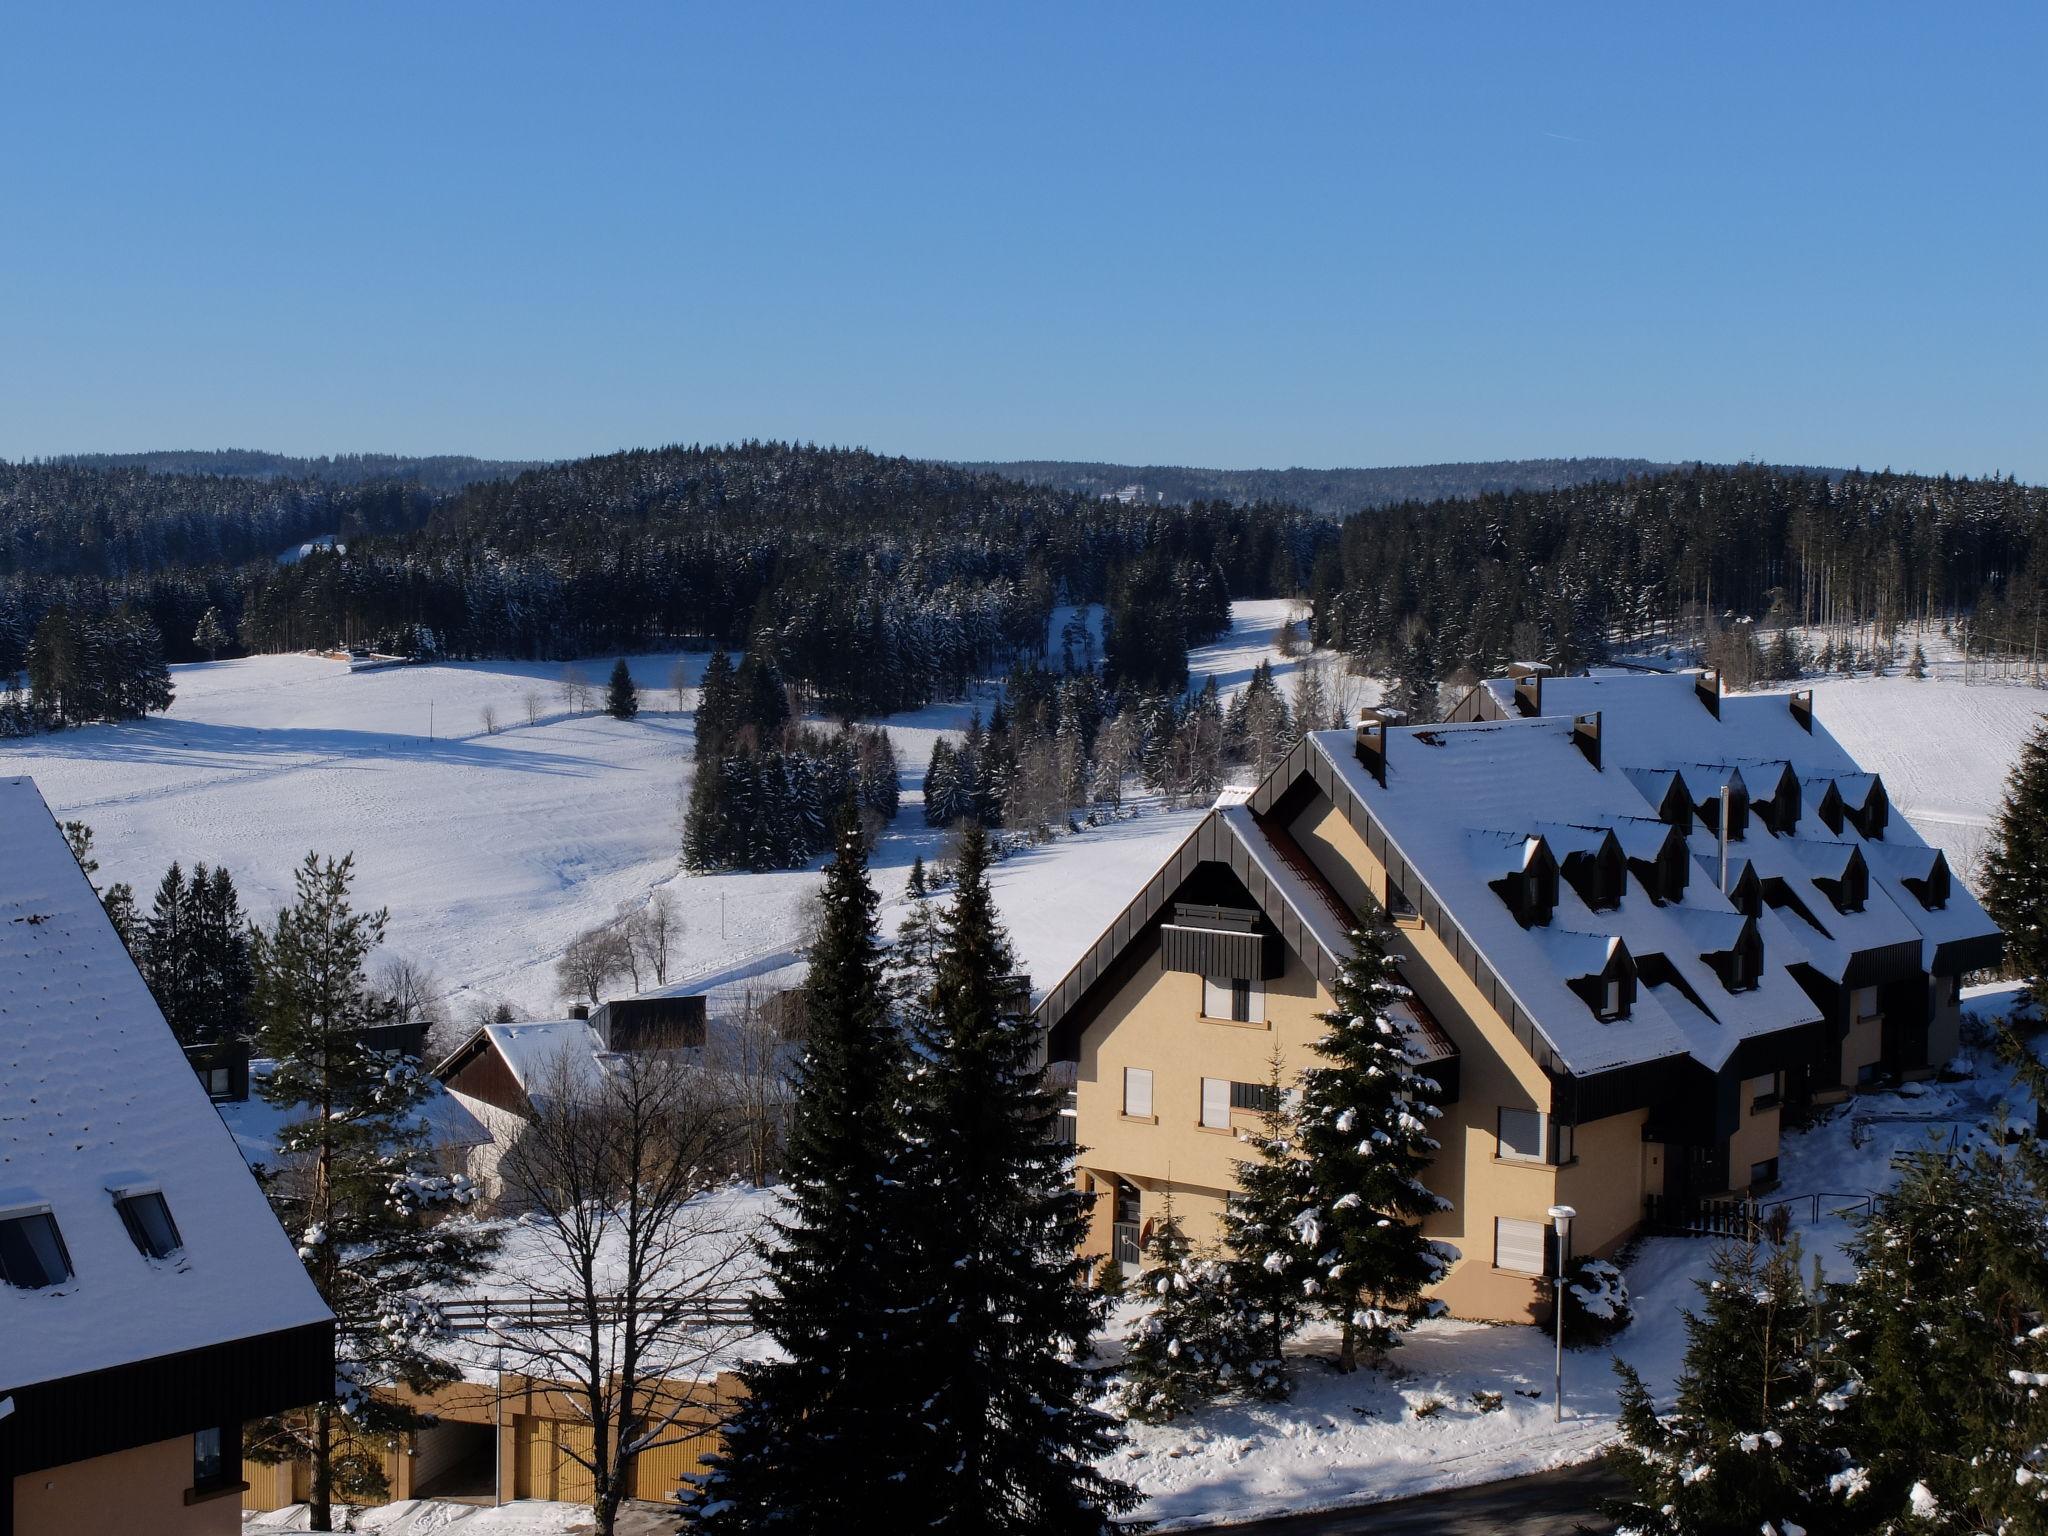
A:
[1344,1440]
[493,850]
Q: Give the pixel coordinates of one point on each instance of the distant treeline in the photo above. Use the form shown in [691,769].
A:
[1429,591]
[1330,492]
[437,472]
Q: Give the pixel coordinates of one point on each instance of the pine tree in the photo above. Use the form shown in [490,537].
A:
[717,708]
[622,699]
[1364,1139]
[1271,1268]
[1004,1438]
[915,887]
[168,961]
[211,636]
[818,1444]
[354,1185]
[222,975]
[1746,1448]
[2016,866]
[1917,667]
[1193,1344]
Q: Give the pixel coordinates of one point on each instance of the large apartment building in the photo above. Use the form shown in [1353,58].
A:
[1638,918]
[149,1302]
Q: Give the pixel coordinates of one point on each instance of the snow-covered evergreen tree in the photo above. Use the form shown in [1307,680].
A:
[621,698]
[818,1444]
[1004,1439]
[1271,1266]
[1197,1340]
[1748,1447]
[353,1187]
[2016,866]
[1364,1140]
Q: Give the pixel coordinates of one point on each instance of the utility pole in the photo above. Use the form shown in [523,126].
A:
[430,719]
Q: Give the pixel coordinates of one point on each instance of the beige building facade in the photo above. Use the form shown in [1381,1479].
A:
[1614,1029]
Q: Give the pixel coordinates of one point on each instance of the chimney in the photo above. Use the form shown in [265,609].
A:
[1586,736]
[1527,677]
[1372,738]
[1802,709]
[1707,684]
[579,1011]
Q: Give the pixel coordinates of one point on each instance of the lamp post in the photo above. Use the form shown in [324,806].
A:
[1560,1219]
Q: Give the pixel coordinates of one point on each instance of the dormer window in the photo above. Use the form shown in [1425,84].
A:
[1613,998]
[1610,992]
[1830,808]
[1741,965]
[1876,812]
[149,1224]
[32,1251]
[1599,876]
[1665,876]
[1850,891]
[1780,813]
[1933,891]
[1531,891]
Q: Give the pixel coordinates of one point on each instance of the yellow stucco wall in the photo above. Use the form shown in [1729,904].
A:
[139,1490]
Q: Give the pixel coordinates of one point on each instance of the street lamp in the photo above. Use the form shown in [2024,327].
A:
[1561,1219]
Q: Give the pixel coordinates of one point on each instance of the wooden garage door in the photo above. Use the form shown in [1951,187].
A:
[544,1469]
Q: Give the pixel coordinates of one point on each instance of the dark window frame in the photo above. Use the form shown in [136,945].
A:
[135,1209]
[18,1274]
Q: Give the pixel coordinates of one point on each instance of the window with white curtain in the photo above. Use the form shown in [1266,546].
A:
[1216,1103]
[1138,1092]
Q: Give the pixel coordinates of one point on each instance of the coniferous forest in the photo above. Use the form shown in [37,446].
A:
[875,584]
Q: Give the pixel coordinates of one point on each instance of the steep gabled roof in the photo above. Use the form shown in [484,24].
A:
[96,1096]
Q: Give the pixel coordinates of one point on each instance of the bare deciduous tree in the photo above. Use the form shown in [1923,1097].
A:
[642,1259]
[679,683]
[752,1057]
[489,716]
[574,689]
[531,699]
[592,959]
[655,935]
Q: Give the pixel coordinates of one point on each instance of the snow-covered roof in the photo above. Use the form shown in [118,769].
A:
[96,1096]
[1652,724]
[1463,806]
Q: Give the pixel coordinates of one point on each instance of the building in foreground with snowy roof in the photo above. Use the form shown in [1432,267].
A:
[149,1301]
[1618,1000]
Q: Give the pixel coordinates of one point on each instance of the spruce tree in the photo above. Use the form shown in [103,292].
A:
[2016,867]
[1364,1142]
[717,709]
[915,886]
[211,636]
[1271,1267]
[1193,1343]
[1917,667]
[169,963]
[1746,1447]
[818,1444]
[354,1186]
[1004,1437]
[622,699]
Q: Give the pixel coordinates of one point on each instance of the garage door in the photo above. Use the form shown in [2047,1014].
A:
[545,1468]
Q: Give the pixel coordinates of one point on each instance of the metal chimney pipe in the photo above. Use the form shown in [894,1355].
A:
[1724,839]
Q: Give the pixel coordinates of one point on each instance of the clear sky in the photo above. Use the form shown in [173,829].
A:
[1264,234]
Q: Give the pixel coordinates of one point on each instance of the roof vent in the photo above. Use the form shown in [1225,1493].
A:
[1586,736]
[1802,709]
[1707,685]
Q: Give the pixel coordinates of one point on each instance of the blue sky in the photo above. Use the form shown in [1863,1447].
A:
[1249,235]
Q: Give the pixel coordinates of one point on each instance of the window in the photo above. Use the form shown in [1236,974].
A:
[217,1461]
[1519,1245]
[1765,1172]
[1521,1135]
[32,1252]
[1611,1005]
[1561,1150]
[220,1082]
[1399,908]
[1233,998]
[1138,1092]
[1253,1096]
[1863,1004]
[207,1460]
[1770,1093]
[1869,1074]
[1216,1103]
[149,1223]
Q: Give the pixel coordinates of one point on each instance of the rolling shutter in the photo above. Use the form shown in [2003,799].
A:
[1518,1245]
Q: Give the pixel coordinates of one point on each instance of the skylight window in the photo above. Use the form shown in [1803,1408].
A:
[32,1252]
[148,1220]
